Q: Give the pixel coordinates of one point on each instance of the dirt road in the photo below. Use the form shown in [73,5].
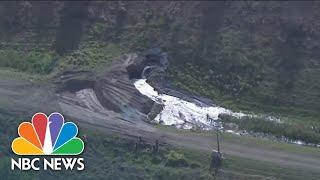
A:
[308,158]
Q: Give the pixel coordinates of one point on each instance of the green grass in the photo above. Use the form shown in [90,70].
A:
[188,79]
[106,157]
[16,74]
[90,56]
[111,157]
[32,61]
[245,140]
[293,131]
[243,168]
[260,170]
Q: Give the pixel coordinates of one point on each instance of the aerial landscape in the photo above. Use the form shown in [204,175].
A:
[161,89]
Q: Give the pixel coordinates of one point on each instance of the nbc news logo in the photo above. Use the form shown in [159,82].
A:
[47,136]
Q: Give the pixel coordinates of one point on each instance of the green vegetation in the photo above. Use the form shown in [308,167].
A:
[297,131]
[110,157]
[240,77]
[243,168]
[249,56]
[90,56]
[33,62]
[250,64]
[245,140]
[252,58]
[12,73]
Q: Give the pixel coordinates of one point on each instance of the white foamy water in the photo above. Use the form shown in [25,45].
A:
[181,113]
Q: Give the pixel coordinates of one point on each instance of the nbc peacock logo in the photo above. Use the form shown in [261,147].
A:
[47,136]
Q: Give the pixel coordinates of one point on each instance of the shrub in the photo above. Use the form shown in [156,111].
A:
[175,159]
[33,62]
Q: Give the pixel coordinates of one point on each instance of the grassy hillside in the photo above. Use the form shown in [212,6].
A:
[251,56]
[260,56]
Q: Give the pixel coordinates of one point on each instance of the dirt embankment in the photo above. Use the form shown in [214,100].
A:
[106,98]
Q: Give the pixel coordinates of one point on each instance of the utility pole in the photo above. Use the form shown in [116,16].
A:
[216,157]
[217,132]
[218,141]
